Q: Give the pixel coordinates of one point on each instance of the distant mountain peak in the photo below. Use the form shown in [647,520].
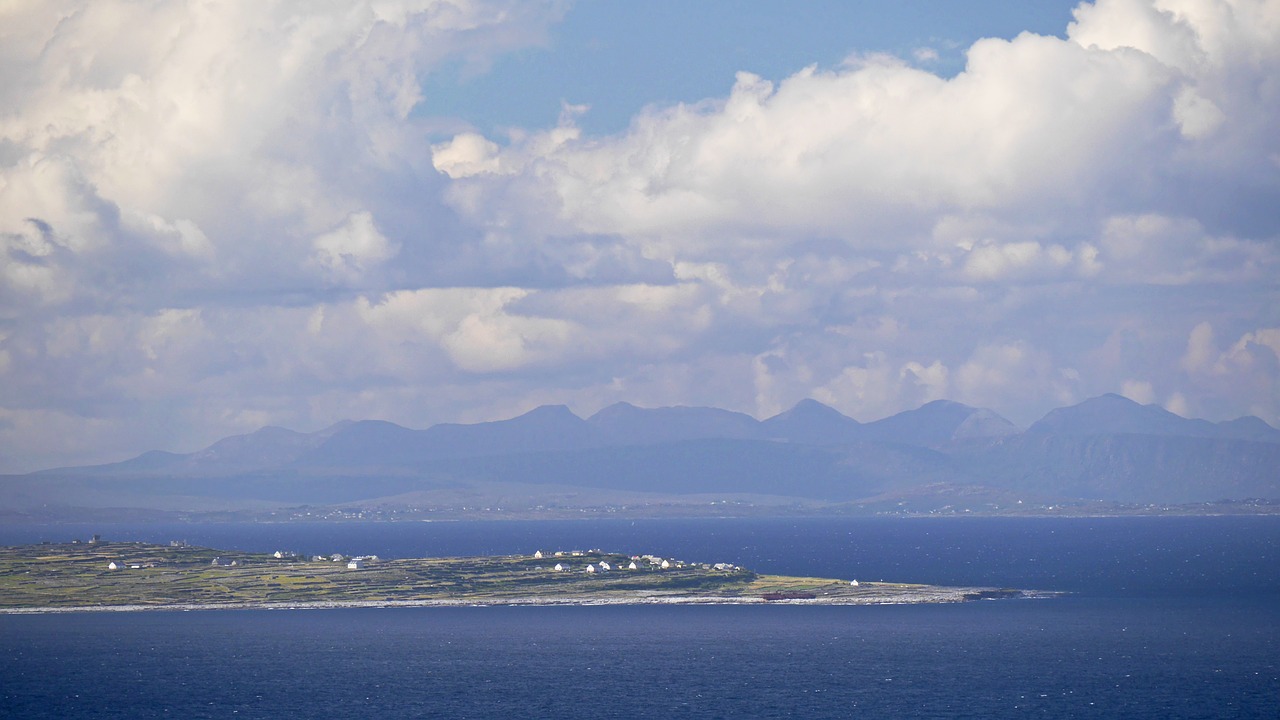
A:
[809,406]
[336,427]
[1107,448]
[619,408]
[625,423]
[1249,427]
[810,422]
[1116,414]
[940,404]
[547,412]
[939,422]
[983,423]
[622,405]
[1114,399]
[811,403]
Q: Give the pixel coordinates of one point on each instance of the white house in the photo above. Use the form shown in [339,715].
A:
[113,565]
[854,583]
[591,568]
[355,565]
[538,555]
[633,566]
[605,566]
[559,567]
[665,564]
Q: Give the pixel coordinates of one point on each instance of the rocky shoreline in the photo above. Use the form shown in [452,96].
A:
[918,595]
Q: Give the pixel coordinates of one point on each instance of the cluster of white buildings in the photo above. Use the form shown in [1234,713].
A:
[358,562]
[651,562]
[355,563]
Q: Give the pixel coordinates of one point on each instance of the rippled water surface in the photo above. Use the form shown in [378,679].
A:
[1175,617]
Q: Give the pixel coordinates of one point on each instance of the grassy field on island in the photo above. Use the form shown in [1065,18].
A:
[81,575]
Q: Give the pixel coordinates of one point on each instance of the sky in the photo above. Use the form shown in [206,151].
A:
[220,216]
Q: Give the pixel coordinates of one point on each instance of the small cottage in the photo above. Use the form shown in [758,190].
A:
[113,565]
[356,564]
[591,568]
[538,555]
[559,567]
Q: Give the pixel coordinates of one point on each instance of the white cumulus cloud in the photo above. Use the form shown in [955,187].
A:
[216,215]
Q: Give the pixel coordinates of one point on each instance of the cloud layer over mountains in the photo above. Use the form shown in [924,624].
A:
[218,217]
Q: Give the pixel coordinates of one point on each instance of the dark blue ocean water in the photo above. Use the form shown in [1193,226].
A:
[1169,617]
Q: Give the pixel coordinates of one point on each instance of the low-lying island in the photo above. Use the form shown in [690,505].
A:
[97,576]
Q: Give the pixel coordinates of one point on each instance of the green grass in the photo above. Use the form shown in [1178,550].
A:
[76,575]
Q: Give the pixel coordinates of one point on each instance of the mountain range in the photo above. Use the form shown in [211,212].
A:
[1106,449]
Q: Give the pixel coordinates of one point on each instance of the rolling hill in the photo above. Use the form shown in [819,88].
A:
[1107,449]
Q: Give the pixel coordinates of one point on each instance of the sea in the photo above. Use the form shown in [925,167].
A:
[1161,617]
